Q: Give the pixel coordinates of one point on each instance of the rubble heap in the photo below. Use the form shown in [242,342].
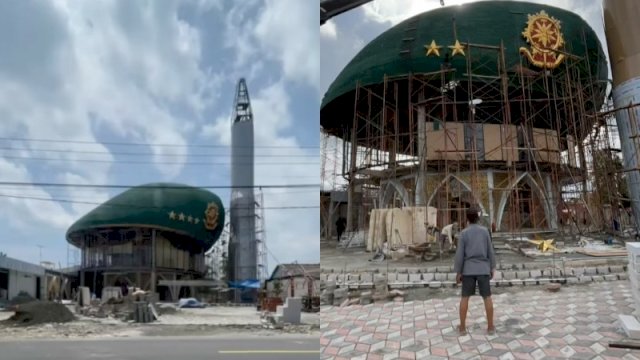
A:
[40,312]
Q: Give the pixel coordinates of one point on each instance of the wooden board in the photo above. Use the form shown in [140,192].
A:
[446,143]
[546,141]
[602,253]
[571,151]
[500,142]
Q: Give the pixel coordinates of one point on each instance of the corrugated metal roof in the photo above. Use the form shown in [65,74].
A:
[284,271]
[21,266]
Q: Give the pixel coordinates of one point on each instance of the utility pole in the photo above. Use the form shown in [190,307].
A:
[40,253]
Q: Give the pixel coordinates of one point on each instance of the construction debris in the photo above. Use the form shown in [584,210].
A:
[40,312]
[553,287]
[596,248]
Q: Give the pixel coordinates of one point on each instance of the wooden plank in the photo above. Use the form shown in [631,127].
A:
[445,143]
[509,142]
[572,151]
[492,142]
[601,253]
[625,344]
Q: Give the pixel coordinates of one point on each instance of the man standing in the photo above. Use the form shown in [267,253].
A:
[475,264]
[341,225]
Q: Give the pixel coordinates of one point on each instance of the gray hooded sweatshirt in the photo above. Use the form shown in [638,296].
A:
[475,254]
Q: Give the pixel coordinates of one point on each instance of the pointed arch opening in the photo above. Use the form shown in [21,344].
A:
[523,205]
[394,195]
[452,197]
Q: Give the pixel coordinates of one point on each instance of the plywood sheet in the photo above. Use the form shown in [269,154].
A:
[492,142]
[553,146]
[422,215]
[377,229]
[372,229]
[571,151]
[547,145]
[399,227]
[540,144]
[601,253]
[500,142]
[446,143]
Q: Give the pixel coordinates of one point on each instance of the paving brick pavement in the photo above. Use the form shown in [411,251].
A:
[577,323]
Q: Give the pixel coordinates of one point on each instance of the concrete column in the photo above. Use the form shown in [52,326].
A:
[153,260]
[552,217]
[490,192]
[351,194]
[422,143]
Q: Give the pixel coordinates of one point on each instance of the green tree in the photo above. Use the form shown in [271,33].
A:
[277,288]
[610,185]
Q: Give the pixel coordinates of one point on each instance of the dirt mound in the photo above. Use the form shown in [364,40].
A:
[40,312]
[21,298]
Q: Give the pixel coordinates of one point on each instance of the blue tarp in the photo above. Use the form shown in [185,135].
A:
[245,284]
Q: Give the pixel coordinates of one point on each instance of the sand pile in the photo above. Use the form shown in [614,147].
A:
[40,312]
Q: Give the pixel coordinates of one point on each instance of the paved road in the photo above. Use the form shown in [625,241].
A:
[192,348]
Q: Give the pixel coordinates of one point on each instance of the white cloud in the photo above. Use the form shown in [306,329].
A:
[329,30]
[72,67]
[24,213]
[285,32]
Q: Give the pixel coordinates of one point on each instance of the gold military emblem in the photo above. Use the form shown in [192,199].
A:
[211,216]
[543,34]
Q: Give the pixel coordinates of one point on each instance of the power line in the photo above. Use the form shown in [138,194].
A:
[91,193]
[153,162]
[140,206]
[107,186]
[157,145]
[148,153]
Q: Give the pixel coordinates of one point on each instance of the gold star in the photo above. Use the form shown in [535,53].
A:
[433,48]
[196,220]
[190,219]
[172,215]
[457,48]
[181,217]
[544,245]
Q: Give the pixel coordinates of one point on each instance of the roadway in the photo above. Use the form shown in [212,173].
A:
[241,347]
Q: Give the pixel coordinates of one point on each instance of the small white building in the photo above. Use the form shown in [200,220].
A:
[304,277]
[17,276]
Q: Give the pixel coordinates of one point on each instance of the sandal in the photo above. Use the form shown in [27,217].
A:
[491,331]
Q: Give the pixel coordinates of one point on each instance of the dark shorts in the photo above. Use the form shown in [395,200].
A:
[469,285]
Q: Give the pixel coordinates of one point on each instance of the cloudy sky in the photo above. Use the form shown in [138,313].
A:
[345,35]
[88,76]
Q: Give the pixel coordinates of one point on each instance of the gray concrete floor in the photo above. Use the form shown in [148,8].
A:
[193,348]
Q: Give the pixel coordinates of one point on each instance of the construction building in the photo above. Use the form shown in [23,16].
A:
[153,237]
[17,276]
[294,280]
[501,104]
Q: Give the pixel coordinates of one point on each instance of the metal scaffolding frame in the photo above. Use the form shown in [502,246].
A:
[555,144]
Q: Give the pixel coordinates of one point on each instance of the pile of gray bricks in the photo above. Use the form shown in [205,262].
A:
[444,277]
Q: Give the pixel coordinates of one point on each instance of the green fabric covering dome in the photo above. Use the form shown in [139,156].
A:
[484,22]
[163,206]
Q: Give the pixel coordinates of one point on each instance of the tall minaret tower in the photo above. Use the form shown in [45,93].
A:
[242,241]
